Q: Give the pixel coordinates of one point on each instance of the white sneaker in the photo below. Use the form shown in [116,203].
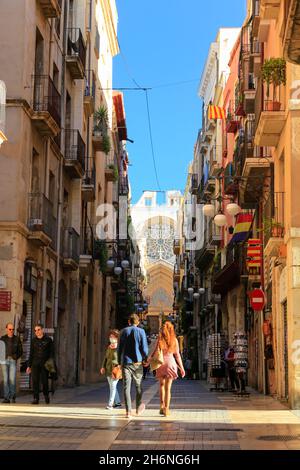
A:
[109,408]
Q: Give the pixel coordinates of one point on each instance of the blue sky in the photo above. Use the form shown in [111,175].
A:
[162,42]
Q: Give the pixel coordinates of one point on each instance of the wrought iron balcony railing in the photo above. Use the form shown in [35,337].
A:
[46,98]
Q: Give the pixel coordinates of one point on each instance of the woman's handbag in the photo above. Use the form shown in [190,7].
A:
[116,373]
[157,359]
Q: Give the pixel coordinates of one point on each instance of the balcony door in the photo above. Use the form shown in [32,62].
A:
[38,72]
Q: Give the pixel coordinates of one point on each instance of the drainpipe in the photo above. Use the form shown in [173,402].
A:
[89,77]
[61,165]
[46,186]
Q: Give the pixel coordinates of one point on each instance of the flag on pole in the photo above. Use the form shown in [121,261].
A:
[242,227]
[216,112]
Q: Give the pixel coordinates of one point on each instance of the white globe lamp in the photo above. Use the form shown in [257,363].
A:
[190,290]
[110,263]
[209,210]
[125,264]
[220,220]
[201,291]
[233,209]
[118,270]
[196,295]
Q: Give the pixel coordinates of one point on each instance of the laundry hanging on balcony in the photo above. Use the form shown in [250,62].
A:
[216,112]
[242,227]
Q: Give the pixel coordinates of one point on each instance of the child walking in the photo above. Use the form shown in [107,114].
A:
[109,362]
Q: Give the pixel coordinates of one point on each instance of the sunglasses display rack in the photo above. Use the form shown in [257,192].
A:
[240,342]
[216,369]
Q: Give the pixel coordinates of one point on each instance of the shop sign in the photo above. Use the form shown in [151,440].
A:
[257,299]
[2,282]
[5,301]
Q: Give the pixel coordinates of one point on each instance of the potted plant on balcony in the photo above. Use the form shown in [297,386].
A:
[106,144]
[273,72]
[115,172]
[273,228]
[100,253]
[101,120]
[101,126]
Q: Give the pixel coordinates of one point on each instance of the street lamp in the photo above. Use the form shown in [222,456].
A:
[110,263]
[220,219]
[118,270]
[125,264]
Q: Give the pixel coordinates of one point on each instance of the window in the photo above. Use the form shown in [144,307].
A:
[148,201]
[55,76]
[57,26]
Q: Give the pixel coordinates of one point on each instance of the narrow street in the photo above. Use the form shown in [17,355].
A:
[200,420]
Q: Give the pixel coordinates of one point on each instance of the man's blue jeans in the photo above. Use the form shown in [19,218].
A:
[9,370]
[114,397]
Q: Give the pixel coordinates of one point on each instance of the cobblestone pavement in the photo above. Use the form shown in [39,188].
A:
[200,419]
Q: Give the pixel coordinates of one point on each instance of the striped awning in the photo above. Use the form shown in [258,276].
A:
[216,112]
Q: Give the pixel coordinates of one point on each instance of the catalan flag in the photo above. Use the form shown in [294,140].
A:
[242,227]
[216,112]
[254,255]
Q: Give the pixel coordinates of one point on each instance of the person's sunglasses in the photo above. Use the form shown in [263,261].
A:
[38,329]
[11,329]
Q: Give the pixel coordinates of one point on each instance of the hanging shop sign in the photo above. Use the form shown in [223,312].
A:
[2,282]
[5,301]
[257,299]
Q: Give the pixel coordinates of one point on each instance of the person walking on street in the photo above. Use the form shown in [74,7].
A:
[229,359]
[13,351]
[132,352]
[109,363]
[41,350]
[167,372]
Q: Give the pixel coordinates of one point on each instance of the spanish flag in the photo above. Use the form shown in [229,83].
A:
[242,227]
[216,112]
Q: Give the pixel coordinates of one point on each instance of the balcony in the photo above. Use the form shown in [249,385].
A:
[232,125]
[74,153]
[249,98]
[89,92]
[205,255]
[291,41]
[255,168]
[255,58]
[76,53]
[111,169]
[51,8]
[214,234]
[46,103]
[176,274]
[176,247]
[228,277]
[269,9]
[97,140]
[86,250]
[88,185]
[273,223]
[41,221]
[256,17]
[194,184]
[230,184]
[271,123]
[123,186]
[70,249]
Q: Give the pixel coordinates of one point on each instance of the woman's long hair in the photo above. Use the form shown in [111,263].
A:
[167,338]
